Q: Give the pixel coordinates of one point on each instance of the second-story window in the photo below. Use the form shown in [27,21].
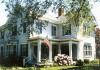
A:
[54,30]
[14,30]
[2,35]
[24,28]
[39,27]
[66,30]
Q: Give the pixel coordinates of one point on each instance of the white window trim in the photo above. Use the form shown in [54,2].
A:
[84,51]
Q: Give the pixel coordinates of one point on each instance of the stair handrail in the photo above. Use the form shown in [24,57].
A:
[25,60]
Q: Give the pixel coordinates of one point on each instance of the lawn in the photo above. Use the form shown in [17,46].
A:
[33,68]
[91,66]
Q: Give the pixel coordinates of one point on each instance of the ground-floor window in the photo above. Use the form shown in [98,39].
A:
[10,50]
[24,49]
[87,50]
[1,51]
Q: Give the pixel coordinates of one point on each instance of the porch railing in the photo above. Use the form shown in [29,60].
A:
[25,60]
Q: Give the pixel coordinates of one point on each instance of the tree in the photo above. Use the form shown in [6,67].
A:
[78,11]
[27,10]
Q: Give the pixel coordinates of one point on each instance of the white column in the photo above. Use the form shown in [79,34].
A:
[59,49]
[39,51]
[50,53]
[70,49]
[78,51]
[29,50]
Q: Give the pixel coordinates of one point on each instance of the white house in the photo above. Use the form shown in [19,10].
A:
[63,40]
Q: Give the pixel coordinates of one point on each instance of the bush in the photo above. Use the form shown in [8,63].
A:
[95,61]
[79,63]
[86,61]
[62,59]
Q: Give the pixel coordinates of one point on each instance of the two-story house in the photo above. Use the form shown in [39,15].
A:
[62,39]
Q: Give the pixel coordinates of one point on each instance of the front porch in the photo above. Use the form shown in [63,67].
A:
[38,51]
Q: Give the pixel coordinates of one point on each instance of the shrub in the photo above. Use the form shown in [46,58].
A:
[62,59]
[95,61]
[79,63]
[86,61]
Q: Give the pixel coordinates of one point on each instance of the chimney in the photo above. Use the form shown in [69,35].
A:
[61,11]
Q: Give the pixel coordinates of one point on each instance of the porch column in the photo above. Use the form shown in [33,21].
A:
[39,51]
[29,50]
[78,51]
[70,49]
[50,53]
[59,49]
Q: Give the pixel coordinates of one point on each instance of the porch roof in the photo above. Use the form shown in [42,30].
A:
[53,40]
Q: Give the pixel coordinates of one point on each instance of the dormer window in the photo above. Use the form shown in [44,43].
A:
[14,30]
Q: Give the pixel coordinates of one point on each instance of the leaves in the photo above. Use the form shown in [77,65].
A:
[77,11]
[27,11]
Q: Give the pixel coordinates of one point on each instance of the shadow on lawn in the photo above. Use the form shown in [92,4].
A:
[11,61]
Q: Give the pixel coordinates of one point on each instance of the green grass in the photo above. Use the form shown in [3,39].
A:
[58,67]
[32,68]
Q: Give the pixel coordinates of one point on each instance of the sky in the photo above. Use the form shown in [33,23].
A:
[95,11]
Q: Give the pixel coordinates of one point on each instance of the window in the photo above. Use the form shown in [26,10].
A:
[2,51]
[66,30]
[53,30]
[11,50]
[86,29]
[2,35]
[14,30]
[87,50]
[24,50]
[39,27]
[24,28]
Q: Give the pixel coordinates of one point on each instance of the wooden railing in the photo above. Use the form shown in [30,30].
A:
[25,60]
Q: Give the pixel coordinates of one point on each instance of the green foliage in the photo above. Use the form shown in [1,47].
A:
[77,12]
[86,61]
[26,12]
[96,61]
[79,63]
